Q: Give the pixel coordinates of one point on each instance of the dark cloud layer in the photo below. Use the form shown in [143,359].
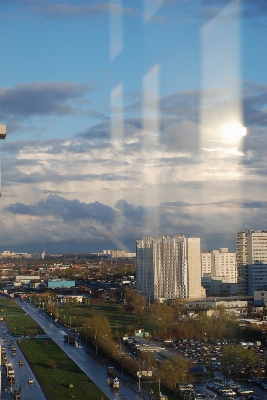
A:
[68,210]
[35,99]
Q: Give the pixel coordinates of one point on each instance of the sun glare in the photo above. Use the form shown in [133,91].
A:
[233,132]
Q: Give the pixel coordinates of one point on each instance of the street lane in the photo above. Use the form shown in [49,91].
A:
[22,373]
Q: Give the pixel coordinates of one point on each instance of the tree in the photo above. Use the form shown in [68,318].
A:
[135,301]
[32,333]
[51,363]
[237,356]
[98,331]
[162,316]
[148,359]
[180,308]
[204,325]
[224,323]
[173,372]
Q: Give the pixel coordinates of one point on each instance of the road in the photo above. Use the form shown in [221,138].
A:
[89,365]
[22,373]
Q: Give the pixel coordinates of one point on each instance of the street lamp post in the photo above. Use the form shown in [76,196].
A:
[96,341]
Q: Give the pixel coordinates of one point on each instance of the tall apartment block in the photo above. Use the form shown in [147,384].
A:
[220,264]
[168,268]
[251,255]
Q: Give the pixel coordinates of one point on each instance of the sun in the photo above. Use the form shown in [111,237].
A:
[233,132]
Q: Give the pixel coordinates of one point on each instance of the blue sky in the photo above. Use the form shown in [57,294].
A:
[125,119]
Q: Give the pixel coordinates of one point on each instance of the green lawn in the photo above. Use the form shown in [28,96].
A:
[18,322]
[55,381]
[117,319]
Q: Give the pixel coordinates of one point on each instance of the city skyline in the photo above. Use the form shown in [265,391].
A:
[130,119]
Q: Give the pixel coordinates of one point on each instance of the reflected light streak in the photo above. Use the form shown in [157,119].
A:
[150,128]
[116,36]
[221,110]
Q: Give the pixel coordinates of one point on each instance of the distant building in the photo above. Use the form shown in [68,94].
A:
[251,249]
[220,264]
[8,254]
[168,268]
[60,283]
[219,287]
[25,279]
[40,256]
[257,277]
[118,254]
[260,297]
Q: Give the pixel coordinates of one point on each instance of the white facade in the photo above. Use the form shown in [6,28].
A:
[167,268]
[251,249]
[241,248]
[206,263]
[220,264]
[119,254]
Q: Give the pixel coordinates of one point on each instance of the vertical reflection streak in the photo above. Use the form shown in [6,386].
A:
[150,126]
[116,29]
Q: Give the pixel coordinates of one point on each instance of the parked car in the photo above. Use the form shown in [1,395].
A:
[30,380]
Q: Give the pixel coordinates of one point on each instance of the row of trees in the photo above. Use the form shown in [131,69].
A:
[98,332]
[167,320]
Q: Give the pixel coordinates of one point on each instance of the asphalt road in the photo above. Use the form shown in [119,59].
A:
[88,364]
[22,373]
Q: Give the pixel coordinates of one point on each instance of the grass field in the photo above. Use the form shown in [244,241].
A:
[18,322]
[122,320]
[55,381]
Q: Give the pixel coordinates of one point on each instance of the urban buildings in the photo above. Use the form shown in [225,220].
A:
[220,264]
[251,254]
[118,254]
[168,268]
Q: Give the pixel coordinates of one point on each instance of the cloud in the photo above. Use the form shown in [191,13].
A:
[255,104]
[75,224]
[59,207]
[131,212]
[81,8]
[39,99]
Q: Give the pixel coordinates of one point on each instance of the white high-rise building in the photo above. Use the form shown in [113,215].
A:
[168,268]
[206,263]
[251,253]
[219,264]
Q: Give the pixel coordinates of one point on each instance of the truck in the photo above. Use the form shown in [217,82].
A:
[71,339]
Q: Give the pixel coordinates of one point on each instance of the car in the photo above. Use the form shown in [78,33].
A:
[21,362]
[244,391]
[30,380]
[16,394]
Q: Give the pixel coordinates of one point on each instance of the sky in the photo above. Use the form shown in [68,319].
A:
[129,119]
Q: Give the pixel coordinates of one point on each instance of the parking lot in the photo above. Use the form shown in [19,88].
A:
[246,383]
